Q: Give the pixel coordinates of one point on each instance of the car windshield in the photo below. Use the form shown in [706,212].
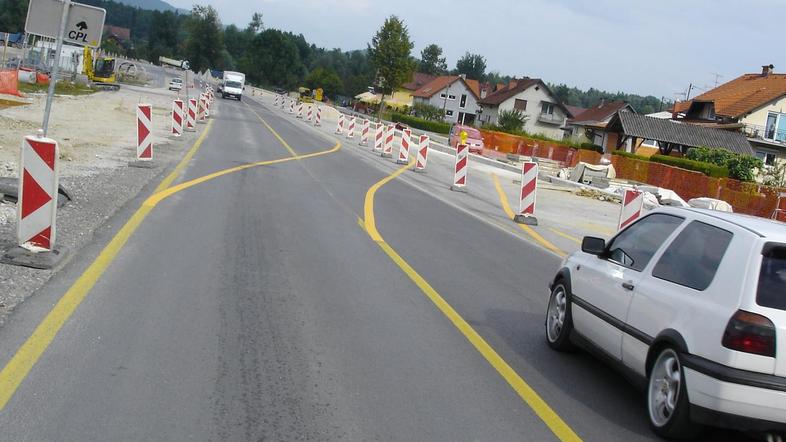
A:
[233,84]
[772,277]
[177,80]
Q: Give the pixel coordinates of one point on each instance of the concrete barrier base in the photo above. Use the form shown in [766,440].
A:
[386,155]
[419,170]
[142,164]
[528,220]
[20,256]
[401,162]
[462,189]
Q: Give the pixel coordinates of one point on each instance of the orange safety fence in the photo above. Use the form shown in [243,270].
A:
[41,78]
[9,83]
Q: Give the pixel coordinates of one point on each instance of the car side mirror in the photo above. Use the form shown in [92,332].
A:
[593,246]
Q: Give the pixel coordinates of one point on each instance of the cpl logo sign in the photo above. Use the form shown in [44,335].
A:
[80,33]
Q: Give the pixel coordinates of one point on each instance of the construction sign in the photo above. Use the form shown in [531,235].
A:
[84,25]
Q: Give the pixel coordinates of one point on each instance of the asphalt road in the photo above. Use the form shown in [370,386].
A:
[254,306]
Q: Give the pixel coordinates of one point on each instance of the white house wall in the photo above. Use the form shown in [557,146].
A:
[532,125]
[458,88]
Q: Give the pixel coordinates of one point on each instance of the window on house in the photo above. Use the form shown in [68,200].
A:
[449,113]
[463,102]
[520,105]
[547,108]
[767,157]
[776,127]
[442,95]
[649,143]
[451,97]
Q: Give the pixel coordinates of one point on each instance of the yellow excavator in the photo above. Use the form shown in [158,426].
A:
[101,72]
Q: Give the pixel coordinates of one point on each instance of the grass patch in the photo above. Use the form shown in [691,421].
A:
[62,88]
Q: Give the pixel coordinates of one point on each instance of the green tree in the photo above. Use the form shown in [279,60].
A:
[273,59]
[327,79]
[205,42]
[12,15]
[431,60]
[741,167]
[472,65]
[256,25]
[390,55]
[511,120]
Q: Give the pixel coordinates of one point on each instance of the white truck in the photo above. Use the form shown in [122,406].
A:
[232,85]
[182,64]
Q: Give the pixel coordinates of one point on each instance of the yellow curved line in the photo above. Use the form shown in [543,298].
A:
[557,426]
[503,199]
[17,369]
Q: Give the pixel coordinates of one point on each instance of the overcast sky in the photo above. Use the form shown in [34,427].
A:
[652,47]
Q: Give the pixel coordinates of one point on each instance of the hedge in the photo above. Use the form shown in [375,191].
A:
[419,123]
[630,155]
[708,169]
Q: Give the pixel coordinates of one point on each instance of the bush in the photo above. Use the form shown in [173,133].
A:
[427,112]
[740,167]
[630,155]
[709,169]
[439,127]
[511,120]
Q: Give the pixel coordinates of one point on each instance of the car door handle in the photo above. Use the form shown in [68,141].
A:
[628,286]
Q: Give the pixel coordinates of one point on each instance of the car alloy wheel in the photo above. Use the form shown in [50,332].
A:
[558,305]
[664,387]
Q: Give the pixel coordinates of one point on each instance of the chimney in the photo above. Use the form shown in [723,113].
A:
[463,76]
[484,89]
[513,83]
[602,103]
[767,69]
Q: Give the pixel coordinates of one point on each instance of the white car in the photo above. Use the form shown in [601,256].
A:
[691,305]
[176,84]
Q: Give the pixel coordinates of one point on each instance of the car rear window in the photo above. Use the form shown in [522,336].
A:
[473,133]
[692,259]
[772,277]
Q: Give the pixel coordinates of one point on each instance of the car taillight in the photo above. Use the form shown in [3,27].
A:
[750,333]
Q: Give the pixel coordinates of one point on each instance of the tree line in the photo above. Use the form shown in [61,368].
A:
[271,57]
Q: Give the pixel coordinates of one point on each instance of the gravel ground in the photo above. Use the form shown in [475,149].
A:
[96,174]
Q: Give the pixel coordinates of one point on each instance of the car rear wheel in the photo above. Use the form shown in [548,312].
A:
[559,322]
[667,398]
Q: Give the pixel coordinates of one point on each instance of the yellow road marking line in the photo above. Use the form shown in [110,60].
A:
[530,396]
[565,235]
[17,369]
[529,230]
[184,161]
[275,134]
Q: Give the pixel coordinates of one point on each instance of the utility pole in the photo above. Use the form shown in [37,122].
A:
[717,77]
[687,96]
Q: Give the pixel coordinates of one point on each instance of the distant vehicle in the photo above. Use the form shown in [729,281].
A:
[100,70]
[691,304]
[474,139]
[280,91]
[181,64]
[14,40]
[233,84]
[176,84]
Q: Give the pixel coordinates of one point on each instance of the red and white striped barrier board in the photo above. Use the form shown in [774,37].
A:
[191,115]
[318,120]
[207,104]
[632,204]
[364,133]
[387,147]
[275,100]
[351,128]
[460,170]
[177,118]
[300,110]
[339,125]
[528,194]
[309,113]
[403,147]
[422,156]
[144,129]
[379,137]
[37,207]
[291,106]
[202,109]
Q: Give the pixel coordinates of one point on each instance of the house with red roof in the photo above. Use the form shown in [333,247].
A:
[589,125]
[456,95]
[544,113]
[754,104]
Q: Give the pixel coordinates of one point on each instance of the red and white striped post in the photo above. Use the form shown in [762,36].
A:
[403,147]
[207,104]
[339,124]
[318,119]
[632,204]
[191,115]
[300,110]
[309,113]
[283,102]
[202,110]
[460,169]
[291,106]
[364,133]
[144,129]
[422,156]
[528,194]
[379,137]
[37,206]
[351,129]
[177,118]
[387,149]
[275,100]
